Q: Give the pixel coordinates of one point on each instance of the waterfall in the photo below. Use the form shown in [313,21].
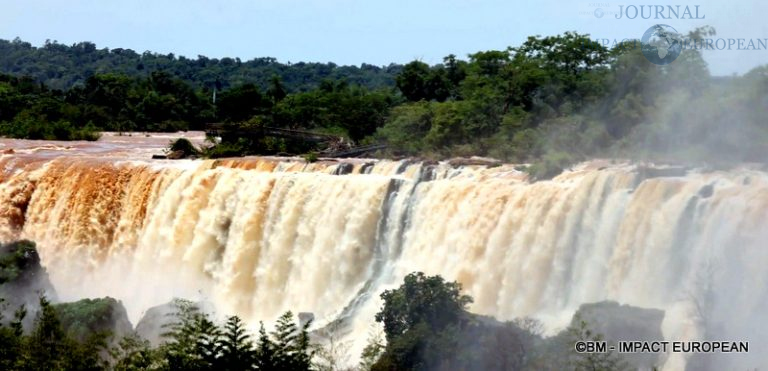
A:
[259,236]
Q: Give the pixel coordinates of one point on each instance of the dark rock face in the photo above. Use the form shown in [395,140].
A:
[473,161]
[150,326]
[707,191]
[305,317]
[367,167]
[344,168]
[155,321]
[475,342]
[488,344]
[624,323]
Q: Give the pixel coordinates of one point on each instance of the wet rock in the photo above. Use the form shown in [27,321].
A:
[707,191]
[176,155]
[473,161]
[427,173]
[366,168]
[648,172]
[624,323]
[305,317]
[153,324]
[404,166]
[344,168]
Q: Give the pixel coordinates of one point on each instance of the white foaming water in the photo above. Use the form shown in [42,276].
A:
[261,236]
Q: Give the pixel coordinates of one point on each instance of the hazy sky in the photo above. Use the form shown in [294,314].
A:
[352,32]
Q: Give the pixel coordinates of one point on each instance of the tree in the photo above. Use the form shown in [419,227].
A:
[372,351]
[65,66]
[194,339]
[11,339]
[412,81]
[64,336]
[134,353]
[240,103]
[421,321]
[290,344]
[570,61]
[48,342]
[276,90]
[421,299]
[592,361]
[265,353]
[456,72]
[237,350]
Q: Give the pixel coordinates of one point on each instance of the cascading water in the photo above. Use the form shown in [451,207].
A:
[260,236]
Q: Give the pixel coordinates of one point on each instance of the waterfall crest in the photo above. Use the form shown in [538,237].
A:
[259,236]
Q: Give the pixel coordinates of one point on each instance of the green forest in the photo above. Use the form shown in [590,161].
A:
[551,102]
[425,326]
[62,67]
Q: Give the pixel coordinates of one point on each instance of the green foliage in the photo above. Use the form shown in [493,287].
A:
[558,352]
[240,103]
[592,361]
[184,147]
[336,108]
[372,352]
[105,102]
[276,90]
[349,109]
[422,299]
[407,126]
[49,347]
[237,350]
[88,317]
[428,328]
[233,147]
[16,259]
[289,346]
[425,322]
[551,101]
[554,101]
[192,339]
[134,353]
[418,81]
[12,344]
[70,336]
[196,343]
[47,343]
[498,99]
[26,126]
[265,357]
[549,166]
[62,67]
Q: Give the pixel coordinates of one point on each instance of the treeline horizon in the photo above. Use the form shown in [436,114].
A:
[62,67]
[550,101]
